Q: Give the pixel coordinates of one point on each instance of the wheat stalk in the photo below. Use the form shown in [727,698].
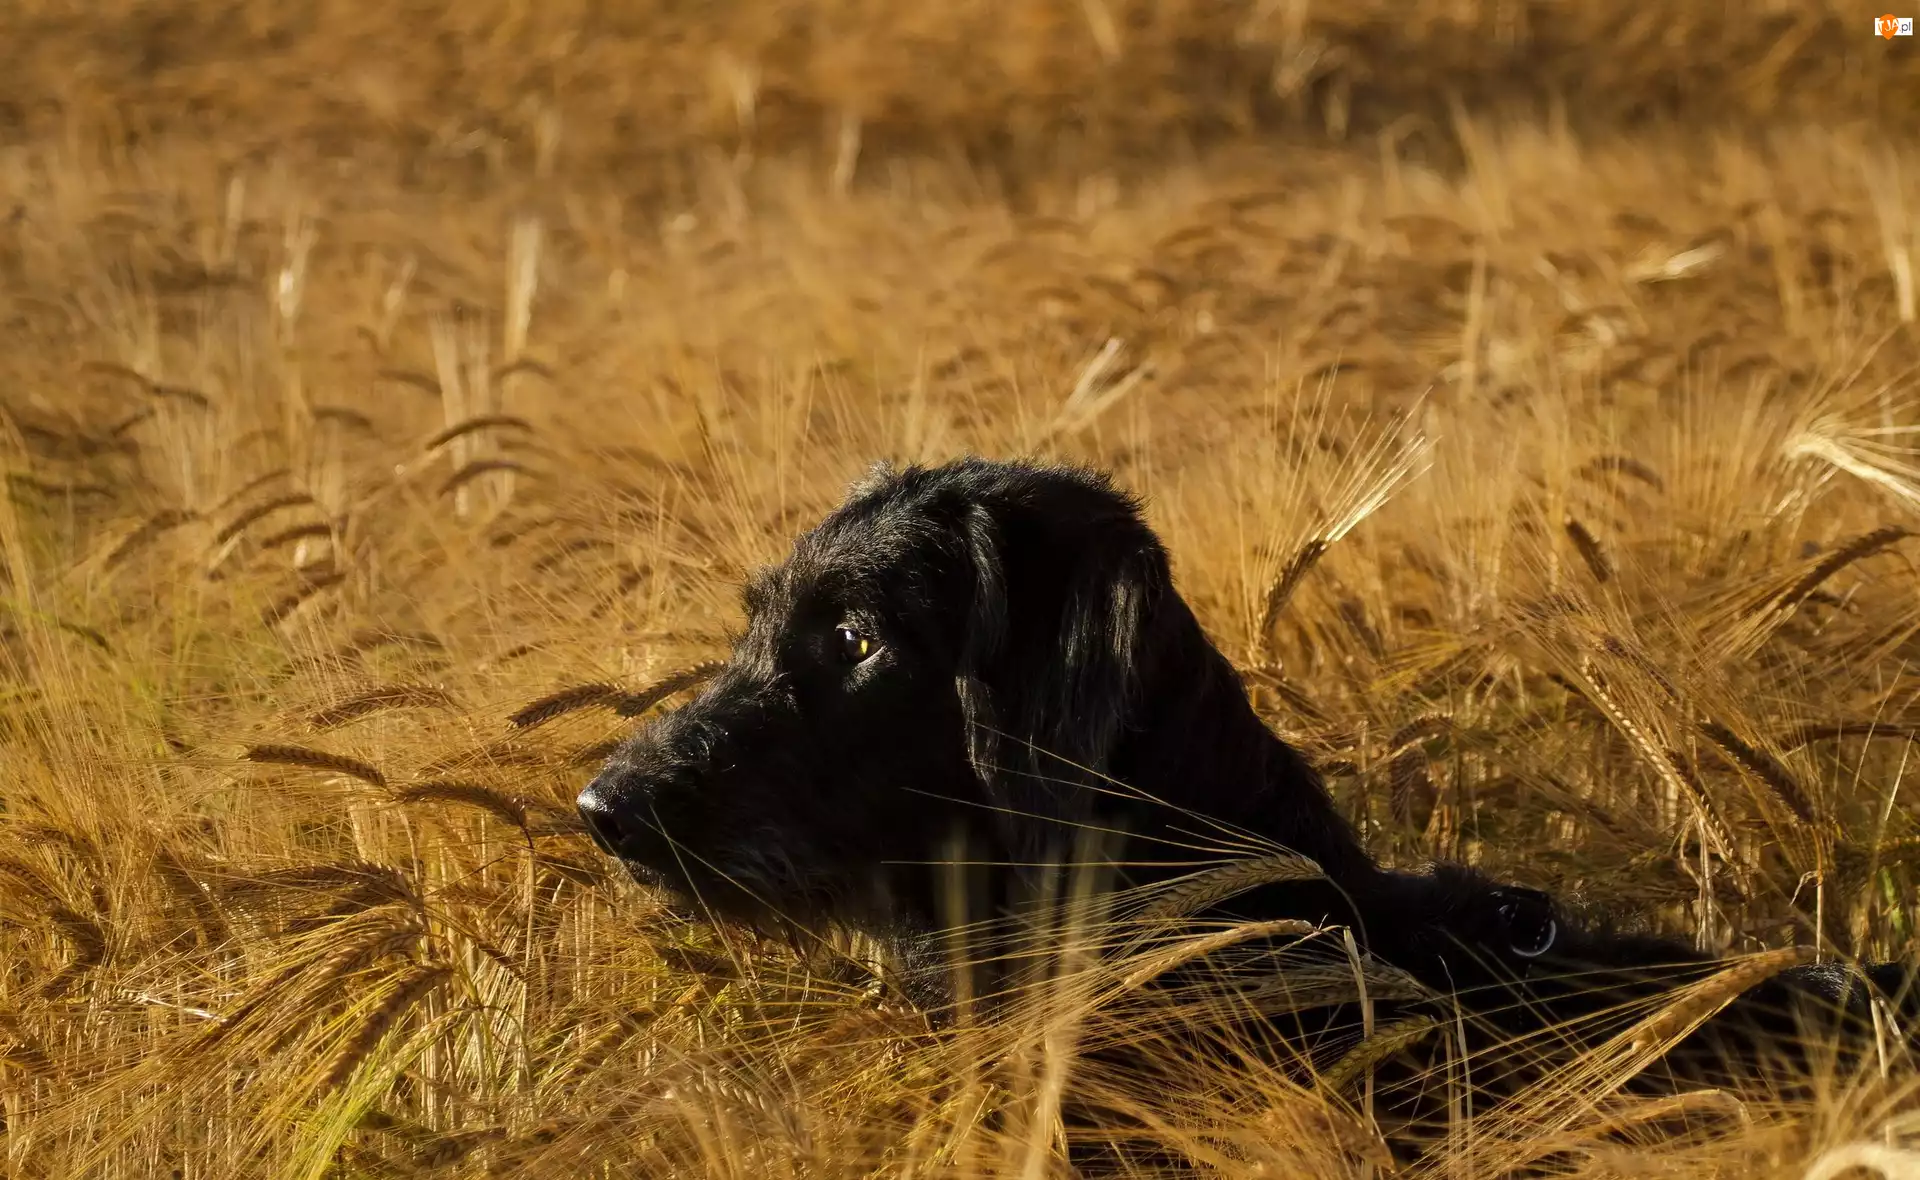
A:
[149,529]
[1137,970]
[296,533]
[30,880]
[625,1028]
[1588,546]
[1294,987]
[385,882]
[312,585]
[1629,1052]
[1624,465]
[397,696]
[564,701]
[169,869]
[408,990]
[1670,765]
[311,759]
[1385,1042]
[1694,1005]
[1831,731]
[1204,889]
[626,704]
[1373,480]
[1762,766]
[503,807]
[89,942]
[647,698]
[1855,550]
[474,469]
[477,423]
[1281,591]
[239,524]
[354,943]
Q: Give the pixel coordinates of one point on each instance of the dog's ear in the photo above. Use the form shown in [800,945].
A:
[1081,694]
[982,640]
[1057,629]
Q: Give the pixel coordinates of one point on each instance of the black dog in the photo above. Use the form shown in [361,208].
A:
[993,656]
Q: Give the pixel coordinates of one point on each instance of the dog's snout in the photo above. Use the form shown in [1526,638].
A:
[650,783]
[609,807]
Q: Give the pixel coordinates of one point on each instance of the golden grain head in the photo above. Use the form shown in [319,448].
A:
[401,996]
[1202,890]
[311,759]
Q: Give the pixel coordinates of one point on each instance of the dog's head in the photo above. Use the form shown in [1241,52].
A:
[954,653]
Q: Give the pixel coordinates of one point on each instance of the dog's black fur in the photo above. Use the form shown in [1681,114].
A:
[1029,671]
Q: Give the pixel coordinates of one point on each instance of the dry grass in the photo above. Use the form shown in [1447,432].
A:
[391,398]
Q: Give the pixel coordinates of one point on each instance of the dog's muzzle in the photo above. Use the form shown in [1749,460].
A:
[618,807]
[600,807]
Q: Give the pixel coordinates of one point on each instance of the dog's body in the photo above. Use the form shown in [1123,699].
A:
[993,657]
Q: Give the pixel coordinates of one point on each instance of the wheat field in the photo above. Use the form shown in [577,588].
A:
[392,398]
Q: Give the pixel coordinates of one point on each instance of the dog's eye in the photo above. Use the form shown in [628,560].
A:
[852,645]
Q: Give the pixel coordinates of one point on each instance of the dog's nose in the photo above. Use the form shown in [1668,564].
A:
[600,807]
